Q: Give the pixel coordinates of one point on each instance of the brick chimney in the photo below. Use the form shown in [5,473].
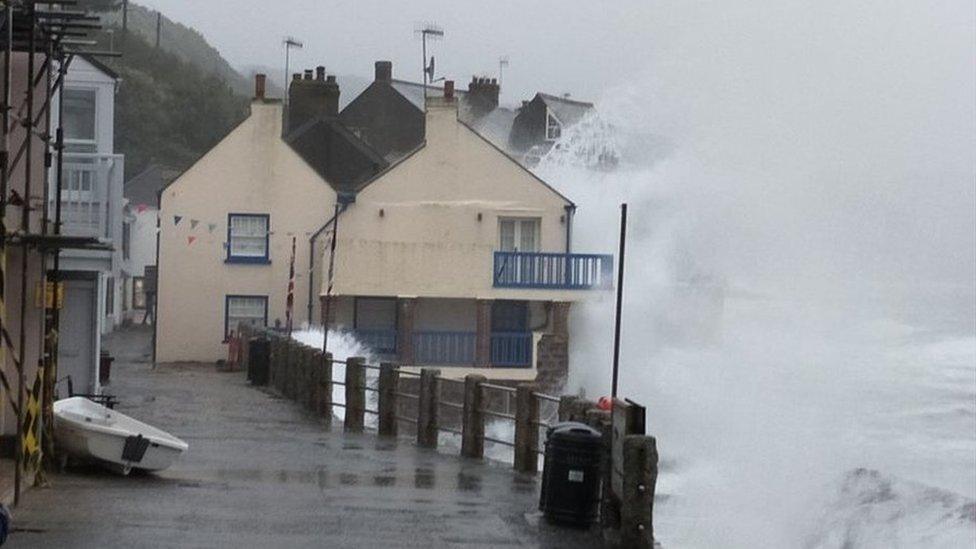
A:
[260,85]
[482,96]
[315,95]
[384,71]
[449,90]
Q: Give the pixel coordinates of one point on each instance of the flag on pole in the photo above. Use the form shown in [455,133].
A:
[290,304]
[177,219]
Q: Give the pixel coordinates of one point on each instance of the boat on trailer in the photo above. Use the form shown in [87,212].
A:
[89,431]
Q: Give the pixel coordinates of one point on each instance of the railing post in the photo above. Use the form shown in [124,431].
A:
[637,499]
[308,377]
[473,426]
[526,429]
[273,353]
[355,395]
[387,406]
[324,405]
[291,381]
[427,408]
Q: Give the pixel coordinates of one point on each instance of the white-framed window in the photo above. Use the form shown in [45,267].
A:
[246,309]
[79,119]
[554,129]
[518,234]
[247,238]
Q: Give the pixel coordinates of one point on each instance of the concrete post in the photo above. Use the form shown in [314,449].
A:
[602,421]
[473,421]
[637,500]
[308,377]
[325,387]
[526,429]
[355,395]
[387,399]
[482,349]
[427,408]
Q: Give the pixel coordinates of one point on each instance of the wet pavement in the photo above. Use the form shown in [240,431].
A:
[262,473]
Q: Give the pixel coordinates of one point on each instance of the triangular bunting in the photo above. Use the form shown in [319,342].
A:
[211,227]
[190,240]
[141,208]
[194,223]
[177,219]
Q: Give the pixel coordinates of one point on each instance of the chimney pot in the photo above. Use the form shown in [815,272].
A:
[296,76]
[384,71]
[449,90]
[320,73]
[308,74]
[494,81]
[330,79]
[260,83]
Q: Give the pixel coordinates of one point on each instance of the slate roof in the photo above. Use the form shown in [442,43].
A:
[335,153]
[568,111]
[145,187]
[415,92]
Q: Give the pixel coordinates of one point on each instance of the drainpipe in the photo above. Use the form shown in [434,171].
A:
[570,212]
[343,200]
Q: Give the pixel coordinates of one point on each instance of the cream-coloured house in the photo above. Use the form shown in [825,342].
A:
[226,231]
[454,255]
[458,256]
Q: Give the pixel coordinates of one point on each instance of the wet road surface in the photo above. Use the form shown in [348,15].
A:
[262,473]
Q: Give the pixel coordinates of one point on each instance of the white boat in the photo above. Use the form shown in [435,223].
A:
[89,431]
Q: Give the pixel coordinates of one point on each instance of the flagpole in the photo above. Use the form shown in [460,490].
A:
[327,306]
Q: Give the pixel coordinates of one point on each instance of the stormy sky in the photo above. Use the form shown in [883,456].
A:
[863,114]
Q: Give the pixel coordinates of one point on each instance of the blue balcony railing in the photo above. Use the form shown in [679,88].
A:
[511,349]
[382,341]
[553,271]
[444,348]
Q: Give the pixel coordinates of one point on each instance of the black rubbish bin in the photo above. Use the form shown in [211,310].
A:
[258,361]
[571,474]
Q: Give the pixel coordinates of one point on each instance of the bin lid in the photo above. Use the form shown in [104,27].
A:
[573,430]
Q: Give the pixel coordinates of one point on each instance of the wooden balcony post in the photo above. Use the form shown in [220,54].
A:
[389,375]
[637,500]
[526,429]
[427,408]
[355,395]
[473,422]
[482,349]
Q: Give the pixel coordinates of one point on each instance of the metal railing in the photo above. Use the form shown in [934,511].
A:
[382,341]
[556,271]
[444,348]
[91,194]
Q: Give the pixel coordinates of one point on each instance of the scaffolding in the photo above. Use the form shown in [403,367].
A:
[50,34]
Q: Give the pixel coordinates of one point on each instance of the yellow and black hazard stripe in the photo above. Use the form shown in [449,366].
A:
[31,441]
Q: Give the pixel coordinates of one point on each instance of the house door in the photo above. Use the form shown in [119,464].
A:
[78,332]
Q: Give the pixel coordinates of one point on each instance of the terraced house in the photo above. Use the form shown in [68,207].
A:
[448,252]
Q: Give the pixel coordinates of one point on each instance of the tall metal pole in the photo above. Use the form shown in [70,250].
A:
[4,180]
[424,66]
[620,299]
[327,306]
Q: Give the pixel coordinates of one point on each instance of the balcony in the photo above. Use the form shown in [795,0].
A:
[91,195]
[447,348]
[553,271]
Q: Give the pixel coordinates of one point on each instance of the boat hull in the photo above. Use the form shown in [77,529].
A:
[88,431]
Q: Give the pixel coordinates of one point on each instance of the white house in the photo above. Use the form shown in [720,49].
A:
[92,206]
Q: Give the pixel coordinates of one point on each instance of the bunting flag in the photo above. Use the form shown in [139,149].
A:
[190,240]
[194,223]
[290,304]
[211,227]
[141,208]
[177,219]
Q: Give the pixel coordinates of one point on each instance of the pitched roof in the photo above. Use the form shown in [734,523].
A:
[568,111]
[100,65]
[335,153]
[144,188]
[415,92]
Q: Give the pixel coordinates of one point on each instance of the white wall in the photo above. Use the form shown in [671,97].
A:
[250,171]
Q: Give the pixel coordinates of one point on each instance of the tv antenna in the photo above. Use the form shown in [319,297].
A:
[502,63]
[289,42]
[434,32]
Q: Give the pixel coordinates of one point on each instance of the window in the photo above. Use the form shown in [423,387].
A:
[520,235]
[126,240]
[79,116]
[247,238]
[554,129]
[138,292]
[247,309]
[109,296]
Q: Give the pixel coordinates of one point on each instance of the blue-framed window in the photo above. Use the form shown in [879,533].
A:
[248,238]
[248,309]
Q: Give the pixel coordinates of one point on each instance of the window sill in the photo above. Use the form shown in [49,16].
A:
[248,260]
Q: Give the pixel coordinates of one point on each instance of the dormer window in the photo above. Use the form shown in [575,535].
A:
[554,129]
